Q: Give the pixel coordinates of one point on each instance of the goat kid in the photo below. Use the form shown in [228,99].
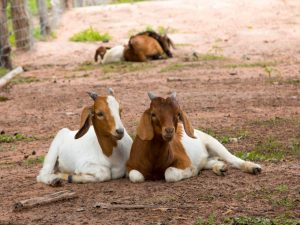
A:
[110,55]
[89,155]
[147,45]
[167,146]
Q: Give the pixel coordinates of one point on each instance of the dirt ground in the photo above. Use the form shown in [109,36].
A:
[243,88]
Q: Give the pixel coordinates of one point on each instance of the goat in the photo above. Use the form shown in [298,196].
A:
[147,45]
[167,146]
[89,155]
[110,55]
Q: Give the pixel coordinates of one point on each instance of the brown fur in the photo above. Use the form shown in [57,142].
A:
[141,48]
[153,151]
[104,126]
[100,51]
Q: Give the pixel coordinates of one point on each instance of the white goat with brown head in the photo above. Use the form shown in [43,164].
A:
[89,155]
[167,146]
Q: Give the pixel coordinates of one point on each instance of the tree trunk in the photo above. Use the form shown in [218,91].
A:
[68,4]
[79,3]
[43,15]
[5,60]
[21,24]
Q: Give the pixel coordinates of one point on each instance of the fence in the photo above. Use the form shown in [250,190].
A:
[24,21]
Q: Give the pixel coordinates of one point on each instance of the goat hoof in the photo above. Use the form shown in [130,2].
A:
[256,170]
[57,182]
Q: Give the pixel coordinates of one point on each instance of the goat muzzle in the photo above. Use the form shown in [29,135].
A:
[168,133]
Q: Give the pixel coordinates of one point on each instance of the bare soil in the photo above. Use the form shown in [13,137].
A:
[254,89]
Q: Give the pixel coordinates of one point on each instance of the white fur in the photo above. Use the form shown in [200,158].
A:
[136,176]
[203,150]
[115,54]
[84,157]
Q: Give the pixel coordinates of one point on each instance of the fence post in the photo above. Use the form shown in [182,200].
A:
[43,15]
[21,24]
[5,48]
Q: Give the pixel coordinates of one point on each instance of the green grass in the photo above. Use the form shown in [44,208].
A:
[8,138]
[125,67]
[248,220]
[211,57]
[23,80]
[33,161]
[173,67]
[3,71]
[38,36]
[251,65]
[33,8]
[89,35]
[282,188]
[267,150]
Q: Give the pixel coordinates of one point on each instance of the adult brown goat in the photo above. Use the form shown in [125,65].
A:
[167,146]
[147,45]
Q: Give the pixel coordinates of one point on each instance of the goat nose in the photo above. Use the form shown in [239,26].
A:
[169,130]
[120,131]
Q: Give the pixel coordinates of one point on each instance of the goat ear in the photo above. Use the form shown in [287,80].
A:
[189,130]
[170,43]
[145,129]
[85,121]
[96,55]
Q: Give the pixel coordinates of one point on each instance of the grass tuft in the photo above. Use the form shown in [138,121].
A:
[8,138]
[89,35]
[23,80]
[125,67]
[34,161]
[250,65]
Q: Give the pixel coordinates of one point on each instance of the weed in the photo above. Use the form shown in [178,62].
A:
[210,220]
[23,80]
[249,65]
[282,188]
[266,150]
[36,160]
[90,35]
[124,67]
[12,138]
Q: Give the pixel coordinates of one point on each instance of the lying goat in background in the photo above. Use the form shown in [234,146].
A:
[167,146]
[141,47]
[89,155]
[147,45]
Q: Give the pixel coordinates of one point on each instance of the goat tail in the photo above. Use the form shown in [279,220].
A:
[46,174]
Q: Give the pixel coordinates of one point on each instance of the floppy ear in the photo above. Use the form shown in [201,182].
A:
[85,121]
[145,129]
[189,130]
[96,55]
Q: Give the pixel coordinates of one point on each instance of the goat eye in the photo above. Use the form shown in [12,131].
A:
[179,115]
[100,114]
[153,115]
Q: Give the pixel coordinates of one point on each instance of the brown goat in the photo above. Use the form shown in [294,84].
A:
[147,45]
[167,146]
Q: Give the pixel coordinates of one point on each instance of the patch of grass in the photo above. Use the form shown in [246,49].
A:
[282,188]
[267,150]
[250,65]
[125,67]
[209,221]
[285,202]
[3,71]
[87,66]
[211,57]
[8,138]
[38,36]
[179,66]
[89,35]
[3,98]
[271,121]
[23,80]
[248,220]
[36,160]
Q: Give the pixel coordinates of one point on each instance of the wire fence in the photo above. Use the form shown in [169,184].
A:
[22,22]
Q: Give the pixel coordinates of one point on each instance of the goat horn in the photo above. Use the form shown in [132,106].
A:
[111,91]
[93,95]
[173,95]
[151,95]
